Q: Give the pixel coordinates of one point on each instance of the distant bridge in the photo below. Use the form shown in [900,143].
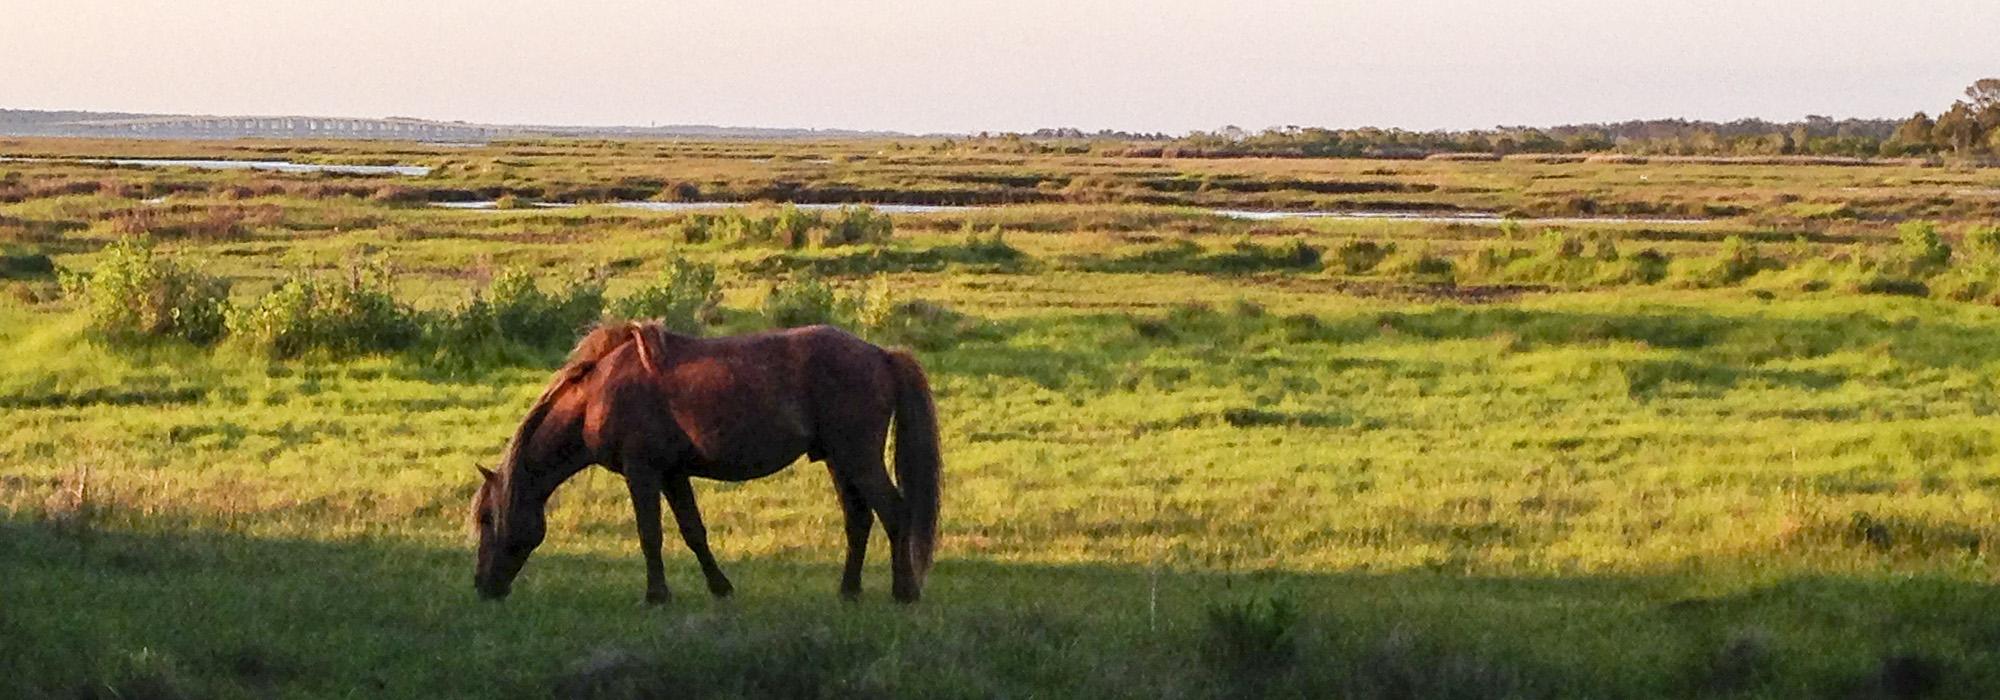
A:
[278,127]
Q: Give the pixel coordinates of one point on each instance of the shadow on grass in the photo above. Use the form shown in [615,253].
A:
[176,613]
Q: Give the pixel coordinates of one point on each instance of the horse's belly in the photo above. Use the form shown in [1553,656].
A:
[747,462]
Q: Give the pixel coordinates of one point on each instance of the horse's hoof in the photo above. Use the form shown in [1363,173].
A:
[721,589]
[851,595]
[659,597]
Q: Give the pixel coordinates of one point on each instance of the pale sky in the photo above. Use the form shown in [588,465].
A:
[969,65]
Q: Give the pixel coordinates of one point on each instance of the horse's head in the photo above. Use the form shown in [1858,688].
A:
[509,527]
[508,510]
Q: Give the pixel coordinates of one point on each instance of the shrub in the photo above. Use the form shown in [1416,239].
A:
[1560,245]
[135,292]
[735,226]
[855,226]
[875,308]
[512,202]
[1559,260]
[354,314]
[684,296]
[1359,257]
[991,245]
[1421,263]
[1983,243]
[805,299]
[1247,256]
[1489,259]
[1604,247]
[1734,262]
[1920,247]
[793,226]
[1977,282]
[694,229]
[1648,266]
[513,309]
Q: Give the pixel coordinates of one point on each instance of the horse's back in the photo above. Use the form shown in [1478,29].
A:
[752,404]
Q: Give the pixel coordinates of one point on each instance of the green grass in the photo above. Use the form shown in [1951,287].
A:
[1522,483]
[1205,472]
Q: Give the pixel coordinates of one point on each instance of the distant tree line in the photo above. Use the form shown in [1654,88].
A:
[1969,128]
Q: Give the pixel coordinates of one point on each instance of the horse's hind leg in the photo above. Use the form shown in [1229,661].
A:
[644,483]
[687,515]
[859,522]
[864,469]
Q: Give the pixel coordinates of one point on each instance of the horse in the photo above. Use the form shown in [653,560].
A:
[660,408]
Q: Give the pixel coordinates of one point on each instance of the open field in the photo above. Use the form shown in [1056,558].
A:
[1186,455]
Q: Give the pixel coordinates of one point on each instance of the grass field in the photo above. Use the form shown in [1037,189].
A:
[1221,470]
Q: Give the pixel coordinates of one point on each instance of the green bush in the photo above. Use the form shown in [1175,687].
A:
[1921,250]
[793,226]
[1734,262]
[991,245]
[1360,257]
[737,226]
[694,229]
[1983,243]
[875,307]
[1604,247]
[513,309]
[1648,266]
[804,300]
[1559,260]
[789,227]
[349,315]
[136,292]
[1489,259]
[1557,244]
[1244,256]
[684,296]
[857,226]
[1422,263]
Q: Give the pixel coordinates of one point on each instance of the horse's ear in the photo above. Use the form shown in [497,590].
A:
[488,473]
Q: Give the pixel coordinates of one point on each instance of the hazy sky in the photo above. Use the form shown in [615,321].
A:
[959,65]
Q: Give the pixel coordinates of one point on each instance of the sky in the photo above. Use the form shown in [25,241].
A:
[973,65]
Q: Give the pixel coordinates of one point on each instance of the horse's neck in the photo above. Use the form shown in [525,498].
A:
[538,484]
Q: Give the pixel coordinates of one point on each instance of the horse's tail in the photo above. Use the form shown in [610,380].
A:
[918,463]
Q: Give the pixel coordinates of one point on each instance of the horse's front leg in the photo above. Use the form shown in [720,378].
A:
[687,515]
[643,481]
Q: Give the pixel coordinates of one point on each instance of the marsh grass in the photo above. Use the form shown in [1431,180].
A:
[1672,464]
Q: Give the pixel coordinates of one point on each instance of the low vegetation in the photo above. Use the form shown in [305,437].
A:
[1187,455]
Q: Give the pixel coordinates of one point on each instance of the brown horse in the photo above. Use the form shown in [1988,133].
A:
[659,408]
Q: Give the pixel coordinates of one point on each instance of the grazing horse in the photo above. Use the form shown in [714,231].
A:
[659,408]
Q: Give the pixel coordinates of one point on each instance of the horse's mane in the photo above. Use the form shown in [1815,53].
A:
[601,341]
[597,344]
